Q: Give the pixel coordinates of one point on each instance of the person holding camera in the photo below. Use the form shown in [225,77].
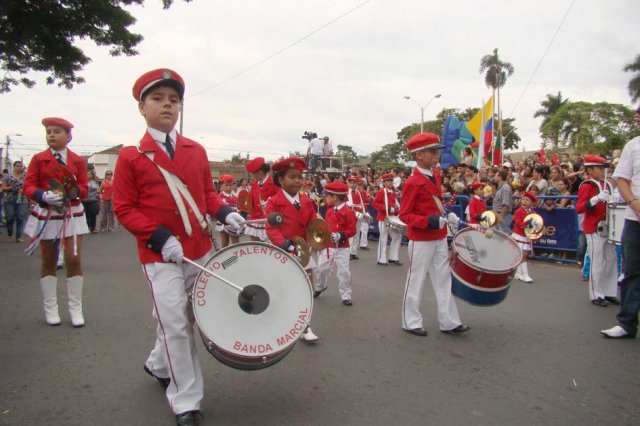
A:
[315,152]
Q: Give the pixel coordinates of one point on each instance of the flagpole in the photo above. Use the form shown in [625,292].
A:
[481,141]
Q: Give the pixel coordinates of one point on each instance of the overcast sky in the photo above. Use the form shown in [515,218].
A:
[346,81]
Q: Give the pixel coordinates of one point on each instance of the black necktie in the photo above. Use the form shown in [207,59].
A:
[167,144]
[296,205]
[431,178]
[335,209]
[58,158]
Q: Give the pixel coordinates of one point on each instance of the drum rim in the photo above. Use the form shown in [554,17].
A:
[479,268]
[280,353]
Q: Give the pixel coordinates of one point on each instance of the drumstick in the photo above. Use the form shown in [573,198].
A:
[213,274]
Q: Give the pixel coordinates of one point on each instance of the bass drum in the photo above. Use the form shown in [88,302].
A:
[483,265]
[252,340]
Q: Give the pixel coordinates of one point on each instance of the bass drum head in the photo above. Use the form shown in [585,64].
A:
[499,253]
[232,333]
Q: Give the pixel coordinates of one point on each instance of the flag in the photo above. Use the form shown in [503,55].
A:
[497,150]
[543,156]
[474,125]
[555,160]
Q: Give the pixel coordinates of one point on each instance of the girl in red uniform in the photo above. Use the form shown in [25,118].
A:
[62,228]
[262,188]
[297,210]
[526,204]
[478,204]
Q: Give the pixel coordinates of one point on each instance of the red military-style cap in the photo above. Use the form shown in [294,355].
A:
[594,160]
[255,164]
[336,188]
[531,196]
[296,163]
[353,178]
[57,121]
[423,141]
[387,176]
[476,185]
[152,79]
[306,183]
[226,179]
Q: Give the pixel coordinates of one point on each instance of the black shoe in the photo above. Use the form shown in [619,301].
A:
[612,300]
[354,257]
[417,331]
[317,293]
[364,248]
[382,263]
[458,330]
[600,302]
[347,302]
[395,262]
[188,418]
[164,382]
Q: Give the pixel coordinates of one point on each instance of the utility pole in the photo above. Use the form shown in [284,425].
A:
[7,161]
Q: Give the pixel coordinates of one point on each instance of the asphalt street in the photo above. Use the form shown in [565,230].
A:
[535,359]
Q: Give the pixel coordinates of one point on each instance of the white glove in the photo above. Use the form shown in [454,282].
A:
[52,198]
[172,250]
[603,196]
[392,210]
[453,219]
[293,250]
[235,221]
[349,204]
[335,237]
[443,222]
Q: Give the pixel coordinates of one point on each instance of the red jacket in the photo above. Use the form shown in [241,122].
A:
[357,200]
[44,166]
[144,205]
[261,192]
[344,221]
[476,207]
[518,220]
[419,210]
[229,199]
[379,204]
[295,221]
[593,214]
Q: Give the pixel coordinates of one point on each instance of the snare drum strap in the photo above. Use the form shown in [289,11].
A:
[177,188]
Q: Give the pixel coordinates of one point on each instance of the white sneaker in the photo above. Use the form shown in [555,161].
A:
[616,332]
[526,279]
[308,335]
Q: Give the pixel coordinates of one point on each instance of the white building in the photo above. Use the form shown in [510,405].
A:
[105,160]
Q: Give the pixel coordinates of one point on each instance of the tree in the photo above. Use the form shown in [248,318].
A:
[495,77]
[237,158]
[41,35]
[347,152]
[550,106]
[591,128]
[389,156]
[634,84]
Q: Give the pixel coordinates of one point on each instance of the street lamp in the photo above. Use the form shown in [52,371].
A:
[422,108]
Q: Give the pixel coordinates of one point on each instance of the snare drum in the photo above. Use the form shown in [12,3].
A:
[482,268]
[244,340]
[363,217]
[615,219]
[394,224]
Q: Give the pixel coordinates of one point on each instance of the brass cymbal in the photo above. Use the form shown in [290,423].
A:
[488,219]
[244,201]
[56,187]
[303,250]
[534,227]
[319,234]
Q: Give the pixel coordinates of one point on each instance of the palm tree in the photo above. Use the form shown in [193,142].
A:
[496,76]
[549,107]
[634,84]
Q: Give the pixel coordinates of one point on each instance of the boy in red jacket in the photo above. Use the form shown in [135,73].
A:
[478,204]
[386,205]
[422,210]
[527,202]
[593,195]
[161,193]
[297,210]
[343,226]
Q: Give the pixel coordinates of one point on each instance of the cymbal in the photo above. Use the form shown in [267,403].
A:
[244,201]
[319,234]
[303,250]
[57,187]
[488,219]
[534,227]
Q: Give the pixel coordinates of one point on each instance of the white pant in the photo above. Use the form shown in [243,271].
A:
[340,259]
[364,234]
[394,249]
[603,277]
[429,257]
[354,242]
[174,353]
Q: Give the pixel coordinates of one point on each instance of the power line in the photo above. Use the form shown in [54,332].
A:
[281,51]
[543,56]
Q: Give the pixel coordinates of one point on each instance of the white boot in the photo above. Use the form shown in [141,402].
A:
[308,335]
[49,286]
[74,291]
[525,274]
[518,275]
